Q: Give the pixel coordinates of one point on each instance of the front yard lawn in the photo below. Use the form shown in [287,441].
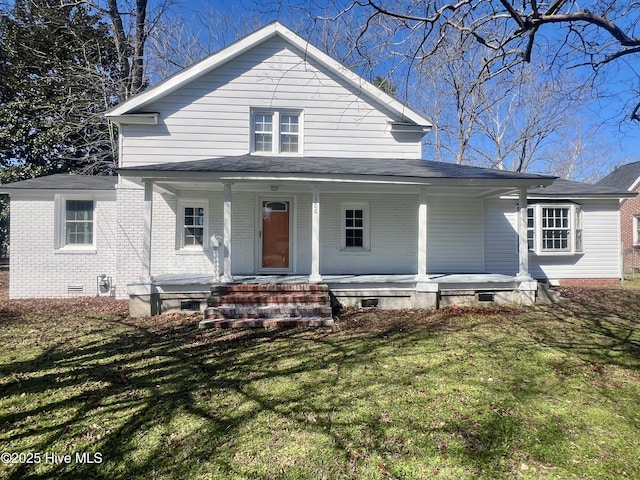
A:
[542,392]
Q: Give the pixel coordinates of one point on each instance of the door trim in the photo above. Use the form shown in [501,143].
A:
[292,234]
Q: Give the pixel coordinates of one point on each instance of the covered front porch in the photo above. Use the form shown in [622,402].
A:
[378,238]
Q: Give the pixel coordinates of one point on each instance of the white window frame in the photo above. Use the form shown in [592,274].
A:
[181,244]
[366,227]
[636,232]
[60,236]
[574,229]
[276,131]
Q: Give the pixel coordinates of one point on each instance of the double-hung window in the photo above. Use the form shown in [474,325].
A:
[355,226]
[192,225]
[554,228]
[75,223]
[636,230]
[276,132]
[78,223]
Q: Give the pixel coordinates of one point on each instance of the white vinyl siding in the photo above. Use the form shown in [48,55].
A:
[393,235]
[600,257]
[210,117]
[454,235]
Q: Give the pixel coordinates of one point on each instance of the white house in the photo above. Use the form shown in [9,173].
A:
[271,162]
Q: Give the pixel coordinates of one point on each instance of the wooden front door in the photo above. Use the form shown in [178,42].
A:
[275,234]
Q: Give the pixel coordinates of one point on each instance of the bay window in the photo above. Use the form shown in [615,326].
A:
[554,229]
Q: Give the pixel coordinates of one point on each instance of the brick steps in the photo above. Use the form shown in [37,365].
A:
[267,322]
[268,299]
[267,305]
[267,311]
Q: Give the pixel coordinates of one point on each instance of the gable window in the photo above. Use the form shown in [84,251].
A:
[192,225]
[554,229]
[276,132]
[355,227]
[263,132]
[289,133]
[78,223]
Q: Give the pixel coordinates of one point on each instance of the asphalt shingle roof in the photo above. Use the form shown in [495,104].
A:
[335,166]
[64,181]
[623,177]
[568,188]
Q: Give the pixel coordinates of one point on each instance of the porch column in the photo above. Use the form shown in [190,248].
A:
[315,276]
[422,236]
[226,247]
[523,248]
[146,232]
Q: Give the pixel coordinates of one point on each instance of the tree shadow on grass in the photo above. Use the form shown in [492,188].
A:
[601,325]
[160,399]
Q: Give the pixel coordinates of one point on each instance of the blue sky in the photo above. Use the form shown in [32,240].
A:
[608,128]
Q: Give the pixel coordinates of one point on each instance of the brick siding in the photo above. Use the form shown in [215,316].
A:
[628,210]
[39,269]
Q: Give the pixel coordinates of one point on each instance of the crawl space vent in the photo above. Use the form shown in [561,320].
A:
[190,305]
[369,302]
[485,297]
[75,289]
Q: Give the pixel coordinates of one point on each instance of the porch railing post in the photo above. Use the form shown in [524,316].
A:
[147,232]
[315,276]
[422,236]
[227,276]
[523,247]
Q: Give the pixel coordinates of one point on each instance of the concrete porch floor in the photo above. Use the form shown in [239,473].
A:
[439,278]
[175,292]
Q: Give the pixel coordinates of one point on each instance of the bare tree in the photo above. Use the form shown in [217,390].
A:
[512,31]
[495,121]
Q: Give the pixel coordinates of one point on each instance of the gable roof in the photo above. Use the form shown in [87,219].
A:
[63,181]
[623,177]
[137,103]
[258,166]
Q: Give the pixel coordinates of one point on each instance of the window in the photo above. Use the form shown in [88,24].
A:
[276,132]
[355,226]
[75,223]
[531,229]
[263,132]
[554,228]
[192,225]
[289,133]
[636,230]
[78,224]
